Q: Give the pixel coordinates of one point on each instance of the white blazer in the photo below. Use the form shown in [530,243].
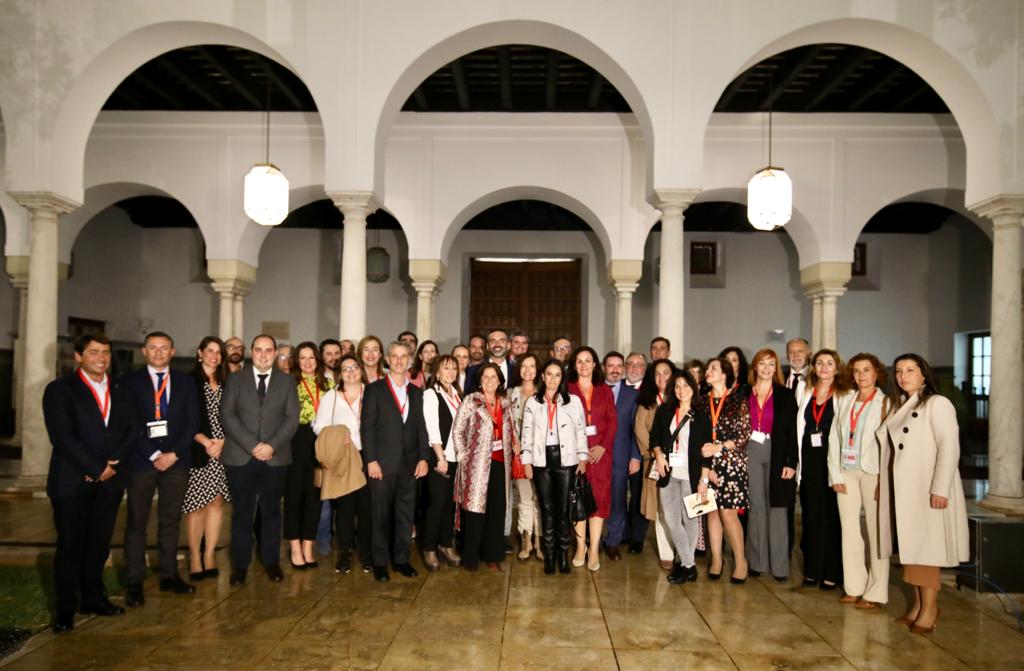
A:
[870,419]
[803,401]
[572,432]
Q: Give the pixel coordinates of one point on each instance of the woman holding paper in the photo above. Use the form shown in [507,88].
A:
[772,458]
[681,427]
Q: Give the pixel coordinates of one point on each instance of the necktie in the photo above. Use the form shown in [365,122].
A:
[795,381]
[261,388]
[163,395]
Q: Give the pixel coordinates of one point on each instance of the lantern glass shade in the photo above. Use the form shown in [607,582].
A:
[769,199]
[378,265]
[266,195]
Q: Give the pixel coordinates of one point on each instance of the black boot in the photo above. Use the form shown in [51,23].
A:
[549,564]
[563,561]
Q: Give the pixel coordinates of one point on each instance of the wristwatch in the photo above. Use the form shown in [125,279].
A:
[706,481]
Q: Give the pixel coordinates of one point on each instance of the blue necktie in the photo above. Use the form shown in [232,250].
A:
[163,395]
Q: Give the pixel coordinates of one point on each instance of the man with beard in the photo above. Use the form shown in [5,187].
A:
[636,367]
[330,351]
[625,462]
[477,349]
[561,348]
[497,345]
[236,353]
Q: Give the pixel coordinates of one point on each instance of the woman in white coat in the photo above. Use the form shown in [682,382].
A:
[920,488]
[853,473]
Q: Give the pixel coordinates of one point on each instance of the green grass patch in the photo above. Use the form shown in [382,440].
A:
[26,593]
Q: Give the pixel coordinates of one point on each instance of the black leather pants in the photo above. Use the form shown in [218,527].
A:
[552,483]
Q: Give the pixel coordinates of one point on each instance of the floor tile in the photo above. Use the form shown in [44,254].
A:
[672,660]
[441,656]
[662,630]
[517,657]
[546,591]
[766,633]
[556,627]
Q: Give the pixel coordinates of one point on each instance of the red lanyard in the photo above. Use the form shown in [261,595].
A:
[497,415]
[401,406]
[345,396]
[760,407]
[854,418]
[314,399]
[453,404]
[716,413]
[819,413]
[587,398]
[158,394]
[661,398]
[679,436]
[552,412]
[105,405]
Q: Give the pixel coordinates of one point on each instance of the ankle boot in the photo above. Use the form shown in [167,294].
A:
[563,562]
[430,560]
[526,545]
[549,565]
[451,556]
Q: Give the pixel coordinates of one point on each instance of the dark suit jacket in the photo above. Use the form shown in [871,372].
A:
[386,439]
[82,444]
[700,433]
[473,379]
[247,423]
[785,448]
[625,440]
[182,419]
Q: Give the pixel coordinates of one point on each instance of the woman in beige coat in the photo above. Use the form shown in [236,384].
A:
[920,488]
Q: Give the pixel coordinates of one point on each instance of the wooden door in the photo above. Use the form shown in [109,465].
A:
[542,298]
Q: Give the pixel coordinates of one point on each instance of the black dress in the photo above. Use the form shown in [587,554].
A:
[822,540]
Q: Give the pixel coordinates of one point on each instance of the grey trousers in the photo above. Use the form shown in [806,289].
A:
[681,529]
[767,528]
[141,487]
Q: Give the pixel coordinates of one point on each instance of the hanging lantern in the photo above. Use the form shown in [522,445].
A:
[266,195]
[769,199]
[378,265]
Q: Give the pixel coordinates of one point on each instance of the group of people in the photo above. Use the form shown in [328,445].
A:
[445,450]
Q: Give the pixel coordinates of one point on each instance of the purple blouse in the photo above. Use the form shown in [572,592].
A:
[766,416]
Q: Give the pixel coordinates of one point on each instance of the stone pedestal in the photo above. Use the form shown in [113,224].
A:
[824,283]
[427,277]
[624,276]
[355,206]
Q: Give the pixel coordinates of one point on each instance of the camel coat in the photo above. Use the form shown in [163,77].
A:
[649,490]
[920,453]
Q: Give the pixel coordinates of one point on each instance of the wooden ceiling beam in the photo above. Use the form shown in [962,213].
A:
[877,86]
[505,76]
[798,68]
[158,91]
[847,67]
[420,96]
[551,80]
[596,87]
[461,87]
[910,97]
[189,82]
[236,83]
[280,84]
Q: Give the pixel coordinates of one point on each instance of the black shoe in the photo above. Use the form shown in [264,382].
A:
[563,561]
[196,576]
[636,548]
[64,621]
[313,564]
[406,569]
[176,585]
[737,581]
[810,582]
[508,545]
[134,596]
[344,564]
[298,567]
[104,608]
[380,574]
[211,573]
[780,578]
[714,576]
[678,574]
[367,568]
[275,573]
[826,587]
[691,573]
[754,574]
[237,577]
[549,564]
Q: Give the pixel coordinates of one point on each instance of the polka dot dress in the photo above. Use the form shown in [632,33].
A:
[207,483]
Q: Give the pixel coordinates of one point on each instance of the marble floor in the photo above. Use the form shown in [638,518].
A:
[625,616]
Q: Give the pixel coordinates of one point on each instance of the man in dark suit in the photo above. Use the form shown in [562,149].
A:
[395,449]
[89,419]
[167,419]
[625,459]
[497,345]
[260,413]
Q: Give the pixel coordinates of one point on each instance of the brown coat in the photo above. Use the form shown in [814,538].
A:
[919,457]
[473,432]
[341,465]
[649,489]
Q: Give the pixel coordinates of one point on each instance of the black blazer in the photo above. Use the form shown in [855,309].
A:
[700,433]
[473,378]
[82,443]
[386,439]
[785,449]
[182,419]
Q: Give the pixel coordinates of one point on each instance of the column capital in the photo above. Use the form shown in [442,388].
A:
[354,202]
[674,201]
[1002,209]
[826,278]
[624,274]
[17,270]
[427,275]
[231,275]
[44,200]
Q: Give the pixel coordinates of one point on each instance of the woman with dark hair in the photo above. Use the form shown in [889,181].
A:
[853,474]
[730,431]
[740,369]
[919,488]
[821,540]
[586,382]
[483,449]
[528,511]
[772,458]
[301,497]
[343,405]
[695,367]
[441,401]
[554,446]
[654,391]
[680,429]
[207,481]
[423,363]
[370,353]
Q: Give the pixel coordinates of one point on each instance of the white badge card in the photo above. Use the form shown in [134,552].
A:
[758,436]
[591,430]
[157,429]
[849,457]
[815,440]
[675,460]
[497,446]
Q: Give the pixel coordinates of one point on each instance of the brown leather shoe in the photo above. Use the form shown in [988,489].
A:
[430,560]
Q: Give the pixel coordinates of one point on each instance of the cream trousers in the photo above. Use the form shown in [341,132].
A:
[868,580]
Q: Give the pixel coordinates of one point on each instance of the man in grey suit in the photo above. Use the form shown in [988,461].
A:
[260,412]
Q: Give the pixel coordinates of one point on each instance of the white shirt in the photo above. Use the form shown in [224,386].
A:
[504,366]
[101,392]
[334,409]
[402,392]
[256,376]
[681,447]
[616,386]
[156,385]
[432,400]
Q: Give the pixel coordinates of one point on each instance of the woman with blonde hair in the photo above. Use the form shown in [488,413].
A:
[370,354]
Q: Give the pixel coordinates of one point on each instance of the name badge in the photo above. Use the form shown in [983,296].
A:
[497,446]
[815,440]
[849,457]
[591,430]
[157,429]
[675,460]
[758,436]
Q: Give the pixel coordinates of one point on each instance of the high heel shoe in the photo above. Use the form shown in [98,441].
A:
[737,581]
[906,619]
[715,576]
[579,562]
[918,629]
[450,556]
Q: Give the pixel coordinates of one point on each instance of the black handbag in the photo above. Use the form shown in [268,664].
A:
[581,499]
[663,480]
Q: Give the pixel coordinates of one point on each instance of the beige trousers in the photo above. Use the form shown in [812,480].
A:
[869,580]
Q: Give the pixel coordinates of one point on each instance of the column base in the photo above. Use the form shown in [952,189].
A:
[1010,505]
[29,485]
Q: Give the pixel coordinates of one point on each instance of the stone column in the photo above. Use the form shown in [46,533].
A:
[1006,396]
[17,270]
[355,206]
[624,276]
[232,280]
[40,333]
[824,283]
[427,277]
[672,202]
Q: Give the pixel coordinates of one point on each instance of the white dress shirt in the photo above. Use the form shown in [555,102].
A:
[334,409]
